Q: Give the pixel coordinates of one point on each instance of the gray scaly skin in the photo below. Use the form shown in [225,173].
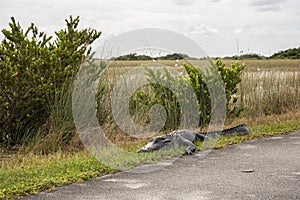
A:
[185,138]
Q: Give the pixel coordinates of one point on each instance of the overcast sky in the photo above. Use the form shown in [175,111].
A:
[258,26]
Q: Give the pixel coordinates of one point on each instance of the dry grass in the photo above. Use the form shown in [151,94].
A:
[272,64]
[252,65]
[268,90]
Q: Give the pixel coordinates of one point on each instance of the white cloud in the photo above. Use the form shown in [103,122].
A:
[204,30]
[244,29]
[267,2]
[238,31]
[184,2]
[268,5]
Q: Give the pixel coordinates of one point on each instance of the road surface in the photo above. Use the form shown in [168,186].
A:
[261,169]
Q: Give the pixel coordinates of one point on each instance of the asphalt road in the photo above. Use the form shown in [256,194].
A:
[263,169]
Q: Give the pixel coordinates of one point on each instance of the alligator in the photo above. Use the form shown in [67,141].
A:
[185,138]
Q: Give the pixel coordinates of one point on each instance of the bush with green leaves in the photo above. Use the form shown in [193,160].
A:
[33,69]
[156,92]
[231,77]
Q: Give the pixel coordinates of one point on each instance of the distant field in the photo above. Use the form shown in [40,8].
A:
[272,64]
[282,64]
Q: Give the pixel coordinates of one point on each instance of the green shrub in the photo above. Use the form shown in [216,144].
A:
[33,69]
[231,77]
[156,92]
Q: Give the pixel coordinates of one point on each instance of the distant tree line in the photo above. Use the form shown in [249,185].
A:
[134,56]
[287,54]
[293,53]
[246,56]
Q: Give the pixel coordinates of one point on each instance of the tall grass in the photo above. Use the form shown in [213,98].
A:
[268,91]
[58,130]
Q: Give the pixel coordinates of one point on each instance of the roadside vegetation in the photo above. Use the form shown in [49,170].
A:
[39,146]
[22,173]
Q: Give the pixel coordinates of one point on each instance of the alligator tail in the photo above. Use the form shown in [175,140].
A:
[241,129]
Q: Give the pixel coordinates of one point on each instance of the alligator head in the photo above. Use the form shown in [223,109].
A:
[156,143]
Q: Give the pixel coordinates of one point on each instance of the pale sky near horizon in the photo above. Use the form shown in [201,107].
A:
[219,26]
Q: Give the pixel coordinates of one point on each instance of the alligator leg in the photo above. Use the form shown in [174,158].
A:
[190,147]
[180,141]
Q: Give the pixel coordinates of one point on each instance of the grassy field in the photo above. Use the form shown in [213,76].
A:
[271,64]
[252,65]
[269,92]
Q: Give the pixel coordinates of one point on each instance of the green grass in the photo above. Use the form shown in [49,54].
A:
[28,175]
